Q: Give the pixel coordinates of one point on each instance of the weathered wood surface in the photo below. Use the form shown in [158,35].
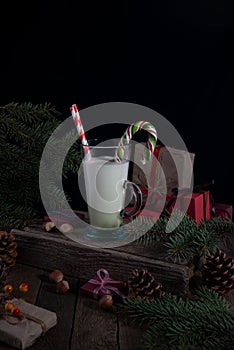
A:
[94,328]
[54,250]
[82,325]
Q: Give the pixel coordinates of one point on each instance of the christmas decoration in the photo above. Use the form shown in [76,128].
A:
[15,311]
[218,273]
[8,288]
[8,247]
[23,287]
[101,284]
[24,131]
[23,323]
[106,302]
[172,323]
[142,284]
[184,238]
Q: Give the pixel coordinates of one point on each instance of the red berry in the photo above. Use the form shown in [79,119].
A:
[16,311]
[8,288]
[23,287]
[9,306]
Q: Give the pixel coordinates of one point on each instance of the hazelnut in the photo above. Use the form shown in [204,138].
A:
[56,276]
[62,287]
[106,302]
[49,226]
[66,228]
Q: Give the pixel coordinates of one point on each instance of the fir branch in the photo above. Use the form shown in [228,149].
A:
[178,324]
[29,112]
[186,240]
[24,131]
[218,225]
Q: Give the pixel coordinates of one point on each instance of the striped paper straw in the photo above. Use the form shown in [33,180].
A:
[80,129]
[127,136]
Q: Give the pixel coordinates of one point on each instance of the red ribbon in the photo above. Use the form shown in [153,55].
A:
[105,284]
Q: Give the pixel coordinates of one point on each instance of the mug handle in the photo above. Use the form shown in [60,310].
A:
[137,194]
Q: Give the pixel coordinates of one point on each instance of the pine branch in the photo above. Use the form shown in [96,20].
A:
[186,240]
[218,225]
[175,323]
[24,131]
[30,113]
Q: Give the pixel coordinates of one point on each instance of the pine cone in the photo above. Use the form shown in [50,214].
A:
[218,273]
[142,284]
[8,247]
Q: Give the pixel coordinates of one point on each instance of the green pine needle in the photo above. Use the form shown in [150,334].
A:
[182,324]
[24,131]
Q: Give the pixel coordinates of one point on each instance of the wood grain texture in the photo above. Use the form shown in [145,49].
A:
[94,328]
[129,335]
[49,251]
[63,305]
[25,274]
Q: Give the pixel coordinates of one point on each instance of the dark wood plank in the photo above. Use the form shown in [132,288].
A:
[51,251]
[24,274]
[57,337]
[129,335]
[94,328]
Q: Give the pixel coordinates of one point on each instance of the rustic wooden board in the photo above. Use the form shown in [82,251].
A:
[94,328]
[57,337]
[49,251]
[129,335]
[26,274]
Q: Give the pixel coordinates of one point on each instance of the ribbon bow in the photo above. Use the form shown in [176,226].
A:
[104,284]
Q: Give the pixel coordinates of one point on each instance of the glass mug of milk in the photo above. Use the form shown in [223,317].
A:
[107,185]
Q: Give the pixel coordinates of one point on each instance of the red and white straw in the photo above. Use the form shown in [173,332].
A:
[80,129]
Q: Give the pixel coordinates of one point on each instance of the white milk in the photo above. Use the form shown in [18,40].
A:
[104,183]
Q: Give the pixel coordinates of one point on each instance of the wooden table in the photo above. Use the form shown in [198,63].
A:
[82,325]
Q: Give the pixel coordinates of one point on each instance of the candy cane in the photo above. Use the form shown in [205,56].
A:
[131,130]
[80,129]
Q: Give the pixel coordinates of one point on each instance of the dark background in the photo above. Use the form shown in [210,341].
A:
[172,56]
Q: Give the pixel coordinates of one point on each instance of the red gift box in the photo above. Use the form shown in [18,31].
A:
[224,210]
[198,204]
[101,284]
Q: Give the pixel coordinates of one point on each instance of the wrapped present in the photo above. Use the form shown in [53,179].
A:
[198,204]
[224,210]
[101,284]
[169,168]
[22,332]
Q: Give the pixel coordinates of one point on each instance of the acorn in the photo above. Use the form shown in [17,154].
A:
[56,276]
[62,287]
[66,228]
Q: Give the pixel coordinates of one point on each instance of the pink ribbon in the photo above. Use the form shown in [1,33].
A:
[105,284]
